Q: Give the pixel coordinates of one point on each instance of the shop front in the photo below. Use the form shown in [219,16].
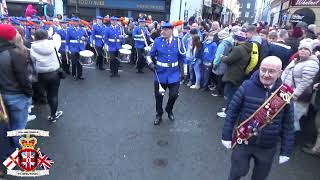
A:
[121,8]
[305,10]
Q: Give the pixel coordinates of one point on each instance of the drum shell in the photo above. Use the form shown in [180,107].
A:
[124,55]
[86,58]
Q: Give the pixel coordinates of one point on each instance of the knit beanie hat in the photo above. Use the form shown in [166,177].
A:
[297,32]
[224,33]
[306,43]
[7,32]
[240,36]
[235,29]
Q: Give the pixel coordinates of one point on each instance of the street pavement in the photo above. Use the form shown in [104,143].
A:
[107,133]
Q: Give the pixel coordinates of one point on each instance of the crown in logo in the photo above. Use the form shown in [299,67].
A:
[27,142]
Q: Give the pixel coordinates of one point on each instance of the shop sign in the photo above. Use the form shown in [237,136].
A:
[87,3]
[307,3]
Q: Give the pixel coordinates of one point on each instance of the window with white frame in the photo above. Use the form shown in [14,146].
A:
[248,5]
[246,14]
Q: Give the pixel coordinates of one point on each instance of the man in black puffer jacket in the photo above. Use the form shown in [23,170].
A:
[262,148]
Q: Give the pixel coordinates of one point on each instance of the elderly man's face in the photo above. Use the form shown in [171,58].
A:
[166,32]
[269,72]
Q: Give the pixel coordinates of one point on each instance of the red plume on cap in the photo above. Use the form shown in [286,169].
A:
[48,23]
[30,23]
[85,23]
[177,23]
[121,19]
[148,21]
[106,19]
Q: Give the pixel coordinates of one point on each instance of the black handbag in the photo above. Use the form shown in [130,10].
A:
[61,72]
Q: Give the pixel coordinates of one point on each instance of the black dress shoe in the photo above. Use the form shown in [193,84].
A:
[158,120]
[171,116]
[102,68]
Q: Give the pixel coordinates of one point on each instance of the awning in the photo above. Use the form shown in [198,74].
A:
[305,14]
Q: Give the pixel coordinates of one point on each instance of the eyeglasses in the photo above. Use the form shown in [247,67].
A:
[271,72]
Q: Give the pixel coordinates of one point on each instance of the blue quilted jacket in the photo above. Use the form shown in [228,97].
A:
[249,97]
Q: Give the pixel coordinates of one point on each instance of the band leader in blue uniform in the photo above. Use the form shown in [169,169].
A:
[139,43]
[113,41]
[97,33]
[75,42]
[166,52]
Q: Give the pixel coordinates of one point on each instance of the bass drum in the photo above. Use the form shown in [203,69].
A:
[86,58]
[124,55]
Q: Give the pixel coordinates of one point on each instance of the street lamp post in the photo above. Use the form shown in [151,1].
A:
[180,9]
[77,8]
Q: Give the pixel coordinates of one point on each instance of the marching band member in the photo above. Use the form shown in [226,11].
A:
[112,41]
[139,43]
[168,52]
[62,31]
[74,44]
[97,41]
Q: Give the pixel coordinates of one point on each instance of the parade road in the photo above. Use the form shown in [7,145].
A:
[107,133]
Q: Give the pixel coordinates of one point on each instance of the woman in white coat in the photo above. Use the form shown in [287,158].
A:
[300,75]
[47,65]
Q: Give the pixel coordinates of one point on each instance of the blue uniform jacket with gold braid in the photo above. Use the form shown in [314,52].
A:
[73,39]
[168,54]
[97,34]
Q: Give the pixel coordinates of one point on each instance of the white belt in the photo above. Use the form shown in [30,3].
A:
[98,36]
[113,40]
[167,64]
[76,41]
[138,39]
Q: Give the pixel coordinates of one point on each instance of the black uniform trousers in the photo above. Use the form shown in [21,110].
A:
[141,61]
[99,62]
[114,63]
[64,63]
[76,66]
[240,161]
[173,95]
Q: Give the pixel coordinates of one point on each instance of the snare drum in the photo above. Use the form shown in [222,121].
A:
[124,55]
[86,57]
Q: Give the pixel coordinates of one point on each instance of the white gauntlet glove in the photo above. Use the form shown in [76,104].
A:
[226,144]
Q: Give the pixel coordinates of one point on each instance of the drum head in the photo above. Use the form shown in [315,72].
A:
[127,46]
[125,51]
[86,53]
